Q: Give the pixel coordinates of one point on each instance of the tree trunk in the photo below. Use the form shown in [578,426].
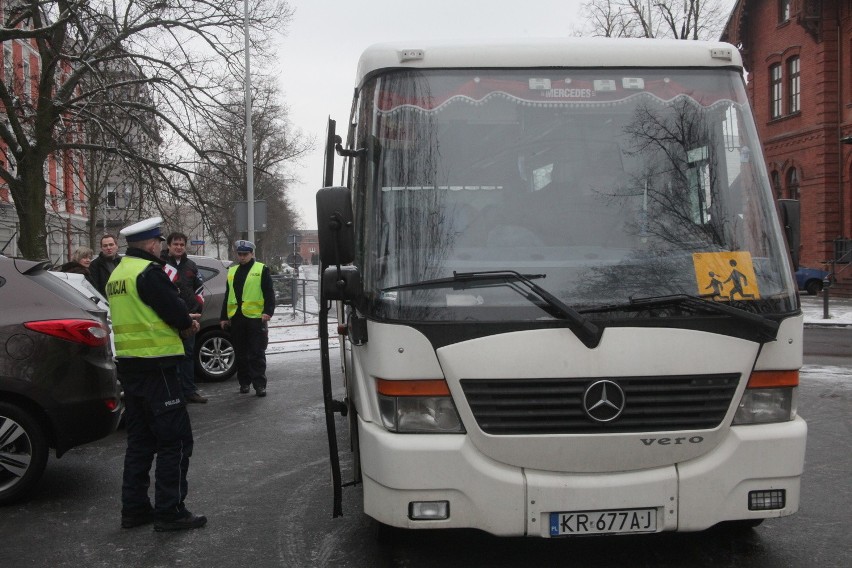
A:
[30,205]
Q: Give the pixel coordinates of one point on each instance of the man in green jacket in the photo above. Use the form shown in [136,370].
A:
[249,304]
[149,319]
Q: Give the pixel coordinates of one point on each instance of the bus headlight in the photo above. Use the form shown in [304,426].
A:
[418,407]
[769,397]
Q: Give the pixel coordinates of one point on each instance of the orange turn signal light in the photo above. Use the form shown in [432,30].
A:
[427,387]
[770,379]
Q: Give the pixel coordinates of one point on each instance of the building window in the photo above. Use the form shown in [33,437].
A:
[27,92]
[783,11]
[776,185]
[793,82]
[793,184]
[8,63]
[775,91]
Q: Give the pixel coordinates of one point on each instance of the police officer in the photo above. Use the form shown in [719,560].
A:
[249,304]
[149,319]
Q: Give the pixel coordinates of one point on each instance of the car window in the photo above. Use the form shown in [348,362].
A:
[61,288]
[207,274]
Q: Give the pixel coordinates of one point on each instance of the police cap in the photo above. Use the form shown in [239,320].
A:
[244,246]
[144,230]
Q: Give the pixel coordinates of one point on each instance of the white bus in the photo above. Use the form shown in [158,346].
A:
[569,305]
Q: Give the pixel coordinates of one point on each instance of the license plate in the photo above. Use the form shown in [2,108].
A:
[603,522]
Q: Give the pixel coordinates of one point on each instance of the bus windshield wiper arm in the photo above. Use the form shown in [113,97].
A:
[766,328]
[466,277]
[585,331]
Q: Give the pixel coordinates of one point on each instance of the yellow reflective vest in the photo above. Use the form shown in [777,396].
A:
[252,305]
[139,331]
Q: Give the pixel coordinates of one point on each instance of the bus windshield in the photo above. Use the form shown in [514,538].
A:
[607,185]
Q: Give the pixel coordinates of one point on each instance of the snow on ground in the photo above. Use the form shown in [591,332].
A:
[297,332]
[827,373]
[298,329]
[839,310]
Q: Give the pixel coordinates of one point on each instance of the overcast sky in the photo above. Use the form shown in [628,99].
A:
[319,55]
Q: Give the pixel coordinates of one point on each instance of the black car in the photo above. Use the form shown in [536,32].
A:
[214,351]
[58,385]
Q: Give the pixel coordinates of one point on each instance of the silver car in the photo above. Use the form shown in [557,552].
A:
[214,351]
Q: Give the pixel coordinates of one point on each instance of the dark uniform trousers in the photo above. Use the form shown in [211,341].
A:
[250,339]
[157,423]
[186,367]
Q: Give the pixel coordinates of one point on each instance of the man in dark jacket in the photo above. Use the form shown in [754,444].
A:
[149,320]
[184,273]
[103,265]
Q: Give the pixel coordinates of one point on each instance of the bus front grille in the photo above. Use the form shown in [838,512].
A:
[556,406]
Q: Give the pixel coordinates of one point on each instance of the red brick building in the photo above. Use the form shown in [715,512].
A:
[309,247]
[798,55]
[64,171]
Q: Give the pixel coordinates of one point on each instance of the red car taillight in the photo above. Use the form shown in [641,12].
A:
[88,332]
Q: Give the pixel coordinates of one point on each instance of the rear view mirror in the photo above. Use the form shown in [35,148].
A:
[335,229]
[343,284]
[789,211]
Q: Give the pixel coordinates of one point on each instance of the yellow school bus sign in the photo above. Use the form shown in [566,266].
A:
[725,275]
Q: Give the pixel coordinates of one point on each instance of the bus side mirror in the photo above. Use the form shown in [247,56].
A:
[341,284]
[335,228]
[790,213]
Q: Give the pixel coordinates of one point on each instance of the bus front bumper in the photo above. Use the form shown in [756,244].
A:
[400,470]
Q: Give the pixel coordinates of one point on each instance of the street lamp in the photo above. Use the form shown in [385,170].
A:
[249,145]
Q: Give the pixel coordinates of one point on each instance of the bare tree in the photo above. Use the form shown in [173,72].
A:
[677,19]
[223,180]
[173,50]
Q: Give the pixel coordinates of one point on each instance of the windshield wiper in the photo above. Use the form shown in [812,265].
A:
[585,331]
[766,328]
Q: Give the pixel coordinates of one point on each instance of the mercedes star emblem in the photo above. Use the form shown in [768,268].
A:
[603,401]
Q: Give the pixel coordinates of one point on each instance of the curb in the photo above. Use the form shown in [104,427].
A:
[826,324]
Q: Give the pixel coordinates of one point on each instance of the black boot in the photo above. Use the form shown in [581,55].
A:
[188,521]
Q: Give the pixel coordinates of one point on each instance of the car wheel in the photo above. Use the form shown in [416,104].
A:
[813,287]
[23,452]
[214,356]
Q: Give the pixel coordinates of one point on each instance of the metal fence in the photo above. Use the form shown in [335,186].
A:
[302,294]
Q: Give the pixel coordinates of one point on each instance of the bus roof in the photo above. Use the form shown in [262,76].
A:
[542,53]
